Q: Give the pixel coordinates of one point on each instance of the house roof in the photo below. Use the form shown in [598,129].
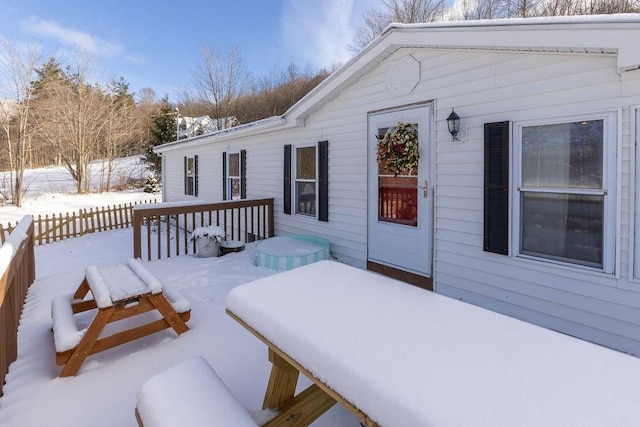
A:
[615,35]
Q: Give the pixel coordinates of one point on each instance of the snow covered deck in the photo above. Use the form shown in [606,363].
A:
[407,357]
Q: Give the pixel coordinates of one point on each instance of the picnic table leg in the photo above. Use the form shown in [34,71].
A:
[282,382]
[82,290]
[79,304]
[303,409]
[83,349]
[169,314]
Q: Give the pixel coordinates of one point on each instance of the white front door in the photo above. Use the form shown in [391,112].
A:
[399,224]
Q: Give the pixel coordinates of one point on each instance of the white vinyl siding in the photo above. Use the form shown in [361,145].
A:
[523,88]
[483,87]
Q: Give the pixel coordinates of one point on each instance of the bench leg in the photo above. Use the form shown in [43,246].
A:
[86,344]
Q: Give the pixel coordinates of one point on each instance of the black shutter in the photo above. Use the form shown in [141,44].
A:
[186,184]
[323,181]
[287,179]
[496,187]
[195,175]
[224,175]
[243,174]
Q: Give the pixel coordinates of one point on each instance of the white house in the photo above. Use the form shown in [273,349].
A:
[195,126]
[529,211]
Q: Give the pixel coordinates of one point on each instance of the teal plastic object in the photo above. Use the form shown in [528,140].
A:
[284,253]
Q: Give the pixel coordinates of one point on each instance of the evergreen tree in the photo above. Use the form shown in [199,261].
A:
[163,130]
[48,74]
[151,185]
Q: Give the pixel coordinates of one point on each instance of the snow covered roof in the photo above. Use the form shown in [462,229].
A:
[616,34]
[595,34]
[566,34]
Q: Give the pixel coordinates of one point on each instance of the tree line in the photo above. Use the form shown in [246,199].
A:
[62,114]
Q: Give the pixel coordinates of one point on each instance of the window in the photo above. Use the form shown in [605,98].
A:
[397,191]
[563,200]
[191,176]
[306,178]
[233,170]
[305,181]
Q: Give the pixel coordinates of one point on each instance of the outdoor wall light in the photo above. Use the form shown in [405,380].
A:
[453,122]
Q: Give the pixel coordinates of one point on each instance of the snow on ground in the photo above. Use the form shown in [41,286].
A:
[103,393]
[51,190]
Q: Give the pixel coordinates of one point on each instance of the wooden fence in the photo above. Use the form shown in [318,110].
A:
[166,226]
[17,273]
[64,226]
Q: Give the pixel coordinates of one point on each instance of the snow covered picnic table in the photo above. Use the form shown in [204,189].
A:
[117,292]
[396,355]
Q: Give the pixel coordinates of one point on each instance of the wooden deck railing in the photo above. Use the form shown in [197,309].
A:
[163,230]
[53,228]
[17,273]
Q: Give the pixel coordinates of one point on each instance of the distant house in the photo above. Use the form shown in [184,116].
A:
[529,211]
[189,127]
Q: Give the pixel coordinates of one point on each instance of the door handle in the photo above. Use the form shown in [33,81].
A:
[424,188]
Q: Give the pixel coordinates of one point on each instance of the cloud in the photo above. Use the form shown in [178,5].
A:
[319,32]
[70,37]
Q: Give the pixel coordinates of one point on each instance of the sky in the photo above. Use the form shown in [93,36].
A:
[156,43]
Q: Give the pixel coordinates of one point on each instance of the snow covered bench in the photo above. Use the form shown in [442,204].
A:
[189,394]
[118,292]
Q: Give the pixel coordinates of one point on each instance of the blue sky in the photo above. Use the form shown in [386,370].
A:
[156,43]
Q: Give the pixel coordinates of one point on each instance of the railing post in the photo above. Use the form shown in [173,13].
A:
[137,234]
[272,221]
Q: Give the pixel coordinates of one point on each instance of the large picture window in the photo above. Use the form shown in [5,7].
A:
[562,194]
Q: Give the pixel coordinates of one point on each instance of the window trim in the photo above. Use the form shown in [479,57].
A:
[608,190]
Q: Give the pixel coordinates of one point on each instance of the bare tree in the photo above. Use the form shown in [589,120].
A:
[72,117]
[119,113]
[219,80]
[480,9]
[588,7]
[18,65]
[273,93]
[522,8]
[147,98]
[401,11]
